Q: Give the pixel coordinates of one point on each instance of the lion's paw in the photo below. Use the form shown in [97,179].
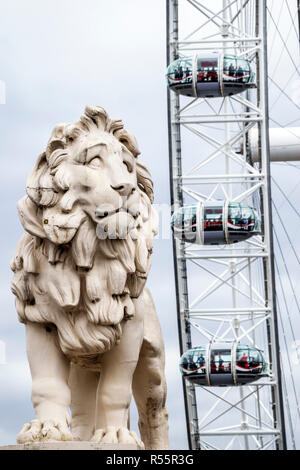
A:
[41,431]
[114,435]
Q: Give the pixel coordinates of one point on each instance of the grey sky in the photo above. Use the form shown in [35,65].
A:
[56,57]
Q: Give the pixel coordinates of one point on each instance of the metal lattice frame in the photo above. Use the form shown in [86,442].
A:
[249,417]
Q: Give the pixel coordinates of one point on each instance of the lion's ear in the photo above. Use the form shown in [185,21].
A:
[57,139]
[128,140]
[144,180]
[31,217]
[39,185]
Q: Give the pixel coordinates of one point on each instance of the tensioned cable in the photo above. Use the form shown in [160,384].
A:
[286,305]
[290,194]
[286,163]
[292,122]
[287,404]
[293,21]
[287,271]
[284,88]
[286,390]
[272,42]
[282,127]
[296,67]
[285,338]
[272,6]
[284,46]
[287,310]
[289,365]
[284,93]
[290,30]
[282,50]
[280,35]
[285,197]
[285,301]
[287,235]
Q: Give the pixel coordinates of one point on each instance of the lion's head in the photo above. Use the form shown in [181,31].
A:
[89,230]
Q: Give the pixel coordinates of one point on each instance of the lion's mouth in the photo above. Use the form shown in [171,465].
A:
[116,223]
[100,215]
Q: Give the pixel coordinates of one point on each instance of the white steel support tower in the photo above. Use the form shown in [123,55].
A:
[225,293]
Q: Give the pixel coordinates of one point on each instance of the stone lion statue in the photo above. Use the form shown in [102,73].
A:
[93,337]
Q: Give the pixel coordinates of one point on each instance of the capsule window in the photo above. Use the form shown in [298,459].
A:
[236,70]
[257,224]
[207,70]
[213,218]
[243,71]
[242,217]
[220,361]
[249,360]
[184,222]
[193,361]
[180,71]
[247,212]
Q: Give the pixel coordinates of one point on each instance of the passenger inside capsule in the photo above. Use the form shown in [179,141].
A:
[213,218]
[220,362]
[241,217]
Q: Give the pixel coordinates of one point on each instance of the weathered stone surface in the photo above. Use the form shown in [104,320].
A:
[70,445]
[93,336]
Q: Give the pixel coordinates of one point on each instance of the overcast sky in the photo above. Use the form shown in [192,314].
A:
[56,57]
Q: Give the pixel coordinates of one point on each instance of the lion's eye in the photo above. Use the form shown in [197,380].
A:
[128,166]
[85,188]
[95,162]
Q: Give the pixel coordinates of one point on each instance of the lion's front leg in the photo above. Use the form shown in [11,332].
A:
[50,392]
[83,384]
[115,387]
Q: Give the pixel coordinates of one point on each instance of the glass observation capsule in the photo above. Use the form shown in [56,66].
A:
[215,223]
[223,364]
[210,75]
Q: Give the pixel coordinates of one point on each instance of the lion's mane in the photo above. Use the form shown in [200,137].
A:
[64,276]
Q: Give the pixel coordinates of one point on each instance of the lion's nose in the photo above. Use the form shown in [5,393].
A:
[124,189]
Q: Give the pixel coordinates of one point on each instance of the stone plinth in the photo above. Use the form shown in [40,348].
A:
[70,445]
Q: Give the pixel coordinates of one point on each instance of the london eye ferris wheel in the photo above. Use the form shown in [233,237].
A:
[230,320]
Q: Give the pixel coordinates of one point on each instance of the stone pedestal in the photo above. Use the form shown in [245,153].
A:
[70,445]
